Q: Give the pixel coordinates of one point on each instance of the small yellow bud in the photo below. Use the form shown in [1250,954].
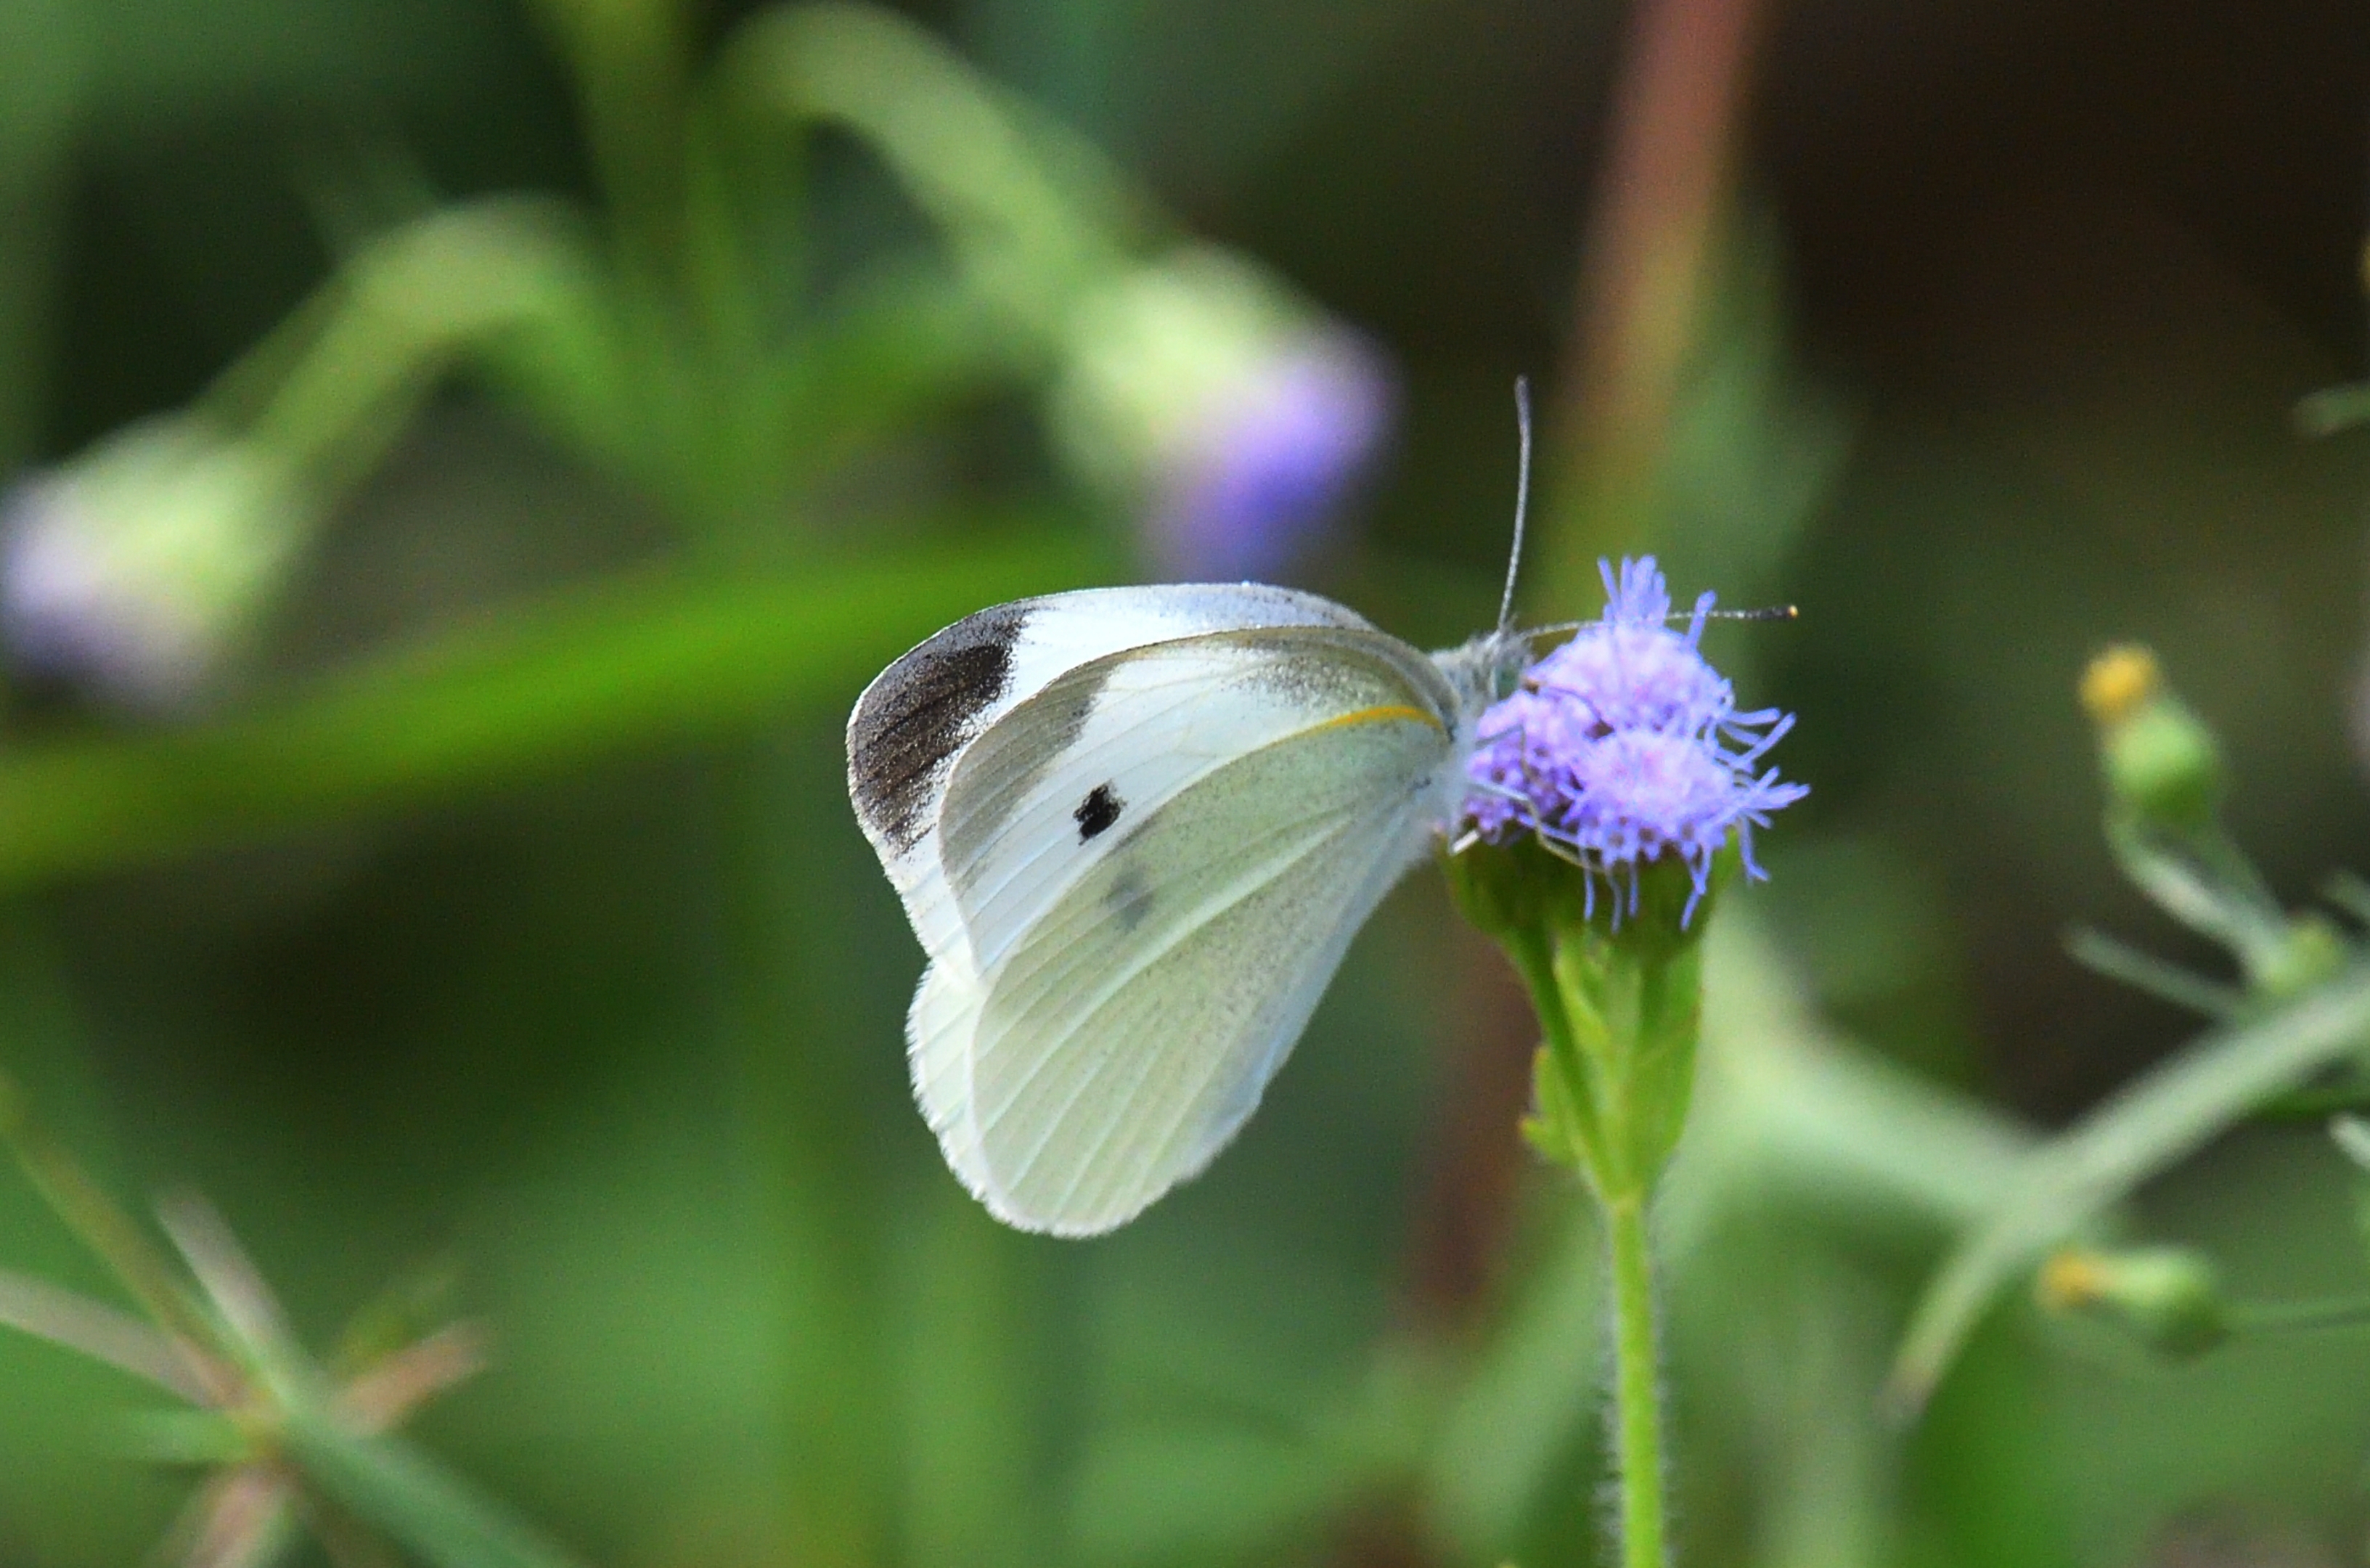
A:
[2162,764]
[2069,1280]
[2166,1297]
[2119,683]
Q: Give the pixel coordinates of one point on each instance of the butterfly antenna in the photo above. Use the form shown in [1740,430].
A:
[1766,613]
[1522,500]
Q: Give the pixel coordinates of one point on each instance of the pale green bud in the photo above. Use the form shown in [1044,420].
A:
[2167,1297]
[2310,950]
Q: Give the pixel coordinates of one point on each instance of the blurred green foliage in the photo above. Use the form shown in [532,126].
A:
[491,910]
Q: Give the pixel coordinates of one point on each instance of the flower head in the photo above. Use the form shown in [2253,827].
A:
[1230,415]
[1624,746]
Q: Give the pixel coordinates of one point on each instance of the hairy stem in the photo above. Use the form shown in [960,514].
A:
[1638,1395]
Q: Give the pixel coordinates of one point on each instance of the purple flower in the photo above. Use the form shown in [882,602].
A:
[1624,745]
[1271,461]
[1227,415]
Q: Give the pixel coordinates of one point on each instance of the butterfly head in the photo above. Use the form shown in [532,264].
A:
[1484,669]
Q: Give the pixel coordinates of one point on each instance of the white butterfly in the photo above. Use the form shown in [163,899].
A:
[1135,829]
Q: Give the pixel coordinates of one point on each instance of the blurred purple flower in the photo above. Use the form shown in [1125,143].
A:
[1272,461]
[1625,745]
[1229,416]
[134,569]
[43,585]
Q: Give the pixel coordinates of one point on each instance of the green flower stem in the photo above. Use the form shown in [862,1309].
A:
[2203,879]
[1625,1008]
[1028,236]
[1638,1395]
[369,346]
[1620,1010]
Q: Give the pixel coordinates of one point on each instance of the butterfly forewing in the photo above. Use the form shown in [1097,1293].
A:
[920,715]
[1066,777]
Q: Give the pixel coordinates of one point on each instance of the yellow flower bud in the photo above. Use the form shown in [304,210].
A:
[2162,764]
[2118,682]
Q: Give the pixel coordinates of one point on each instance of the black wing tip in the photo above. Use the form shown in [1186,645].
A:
[919,713]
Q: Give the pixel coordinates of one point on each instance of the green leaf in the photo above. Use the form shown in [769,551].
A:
[2164,1115]
[627,664]
[198,1439]
[1559,1130]
[1670,1020]
[386,1482]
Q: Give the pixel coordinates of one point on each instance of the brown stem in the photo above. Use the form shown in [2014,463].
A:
[1649,239]
[1466,1203]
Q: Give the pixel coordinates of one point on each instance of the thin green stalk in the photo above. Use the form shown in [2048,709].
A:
[632,70]
[330,392]
[1621,1191]
[2278,1317]
[1638,1396]
[1031,241]
[2149,1123]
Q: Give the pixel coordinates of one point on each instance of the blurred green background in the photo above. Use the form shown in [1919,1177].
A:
[480,902]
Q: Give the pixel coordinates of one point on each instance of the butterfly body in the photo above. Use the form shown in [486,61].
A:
[1136,830]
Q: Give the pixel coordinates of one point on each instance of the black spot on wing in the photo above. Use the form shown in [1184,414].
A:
[1097,811]
[920,712]
[1018,758]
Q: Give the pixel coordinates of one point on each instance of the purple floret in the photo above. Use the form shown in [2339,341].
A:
[1625,745]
